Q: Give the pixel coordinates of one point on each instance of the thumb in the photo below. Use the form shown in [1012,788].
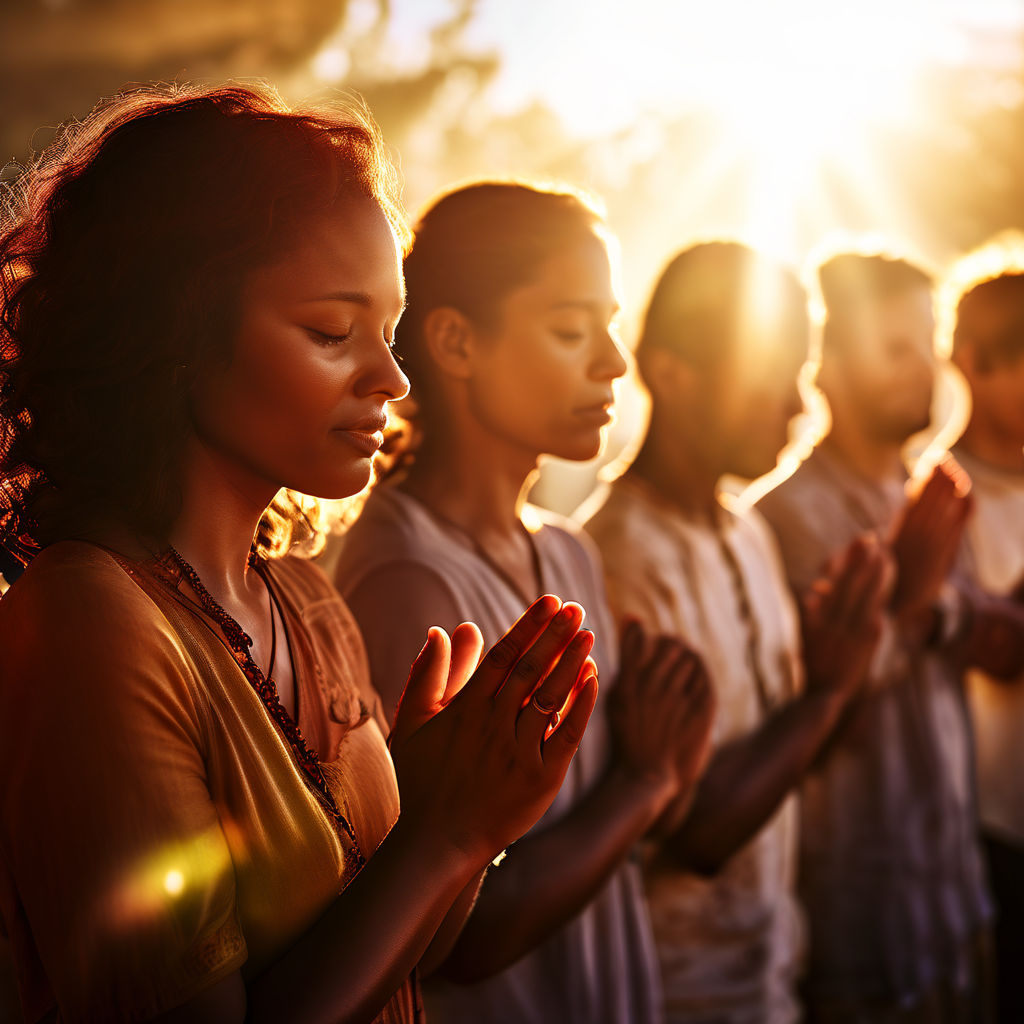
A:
[424,690]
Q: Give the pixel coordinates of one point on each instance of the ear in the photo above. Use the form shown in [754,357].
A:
[830,369]
[667,377]
[449,336]
[966,359]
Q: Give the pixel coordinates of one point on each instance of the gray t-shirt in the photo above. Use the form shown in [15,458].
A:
[599,968]
[890,870]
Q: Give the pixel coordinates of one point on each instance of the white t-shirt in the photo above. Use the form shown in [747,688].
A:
[729,946]
[994,555]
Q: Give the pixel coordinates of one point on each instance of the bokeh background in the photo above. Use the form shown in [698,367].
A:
[777,123]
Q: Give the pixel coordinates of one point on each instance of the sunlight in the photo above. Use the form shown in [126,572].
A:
[794,88]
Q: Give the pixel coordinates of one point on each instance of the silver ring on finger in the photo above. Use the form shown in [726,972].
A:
[544,709]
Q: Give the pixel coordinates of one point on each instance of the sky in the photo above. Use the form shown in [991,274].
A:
[601,63]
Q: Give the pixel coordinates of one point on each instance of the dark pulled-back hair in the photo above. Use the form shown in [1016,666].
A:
[472,247]
[848,281]
[990,315]
[123,248]
[709,293]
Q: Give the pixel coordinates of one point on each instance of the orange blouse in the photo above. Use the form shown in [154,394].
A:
[156,832]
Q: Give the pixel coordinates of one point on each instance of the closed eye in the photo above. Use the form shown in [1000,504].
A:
[323,338]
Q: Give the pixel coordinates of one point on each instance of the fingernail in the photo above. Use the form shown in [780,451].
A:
[568,613]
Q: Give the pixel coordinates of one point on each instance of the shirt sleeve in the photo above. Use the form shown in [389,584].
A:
[109,833]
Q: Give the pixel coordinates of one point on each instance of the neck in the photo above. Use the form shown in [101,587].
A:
[472,478]
[677,472]
[992,447]
[221,508]
[869,457]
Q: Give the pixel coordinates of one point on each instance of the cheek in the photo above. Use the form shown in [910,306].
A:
[528,384]
[271,398]
[1005,401]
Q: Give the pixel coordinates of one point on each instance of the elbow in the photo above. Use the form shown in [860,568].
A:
[698,857]
[704,866]
[464,967]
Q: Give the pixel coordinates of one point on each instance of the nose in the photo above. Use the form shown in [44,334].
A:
[794,402]
[383,376]
[609,359]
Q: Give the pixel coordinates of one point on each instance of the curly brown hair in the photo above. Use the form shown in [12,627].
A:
[123,248]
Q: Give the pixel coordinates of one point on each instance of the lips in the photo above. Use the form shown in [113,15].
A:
[595,415]
[367,443]
[366,435]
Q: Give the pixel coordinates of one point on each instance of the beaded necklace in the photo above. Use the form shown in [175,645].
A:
[240,644]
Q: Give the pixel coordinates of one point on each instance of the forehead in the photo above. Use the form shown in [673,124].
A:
[769,344]
[576,274]
[908,312]
[348,248]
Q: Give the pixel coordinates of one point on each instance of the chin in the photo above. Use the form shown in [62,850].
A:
[582,452]
[336,486]
[754,464]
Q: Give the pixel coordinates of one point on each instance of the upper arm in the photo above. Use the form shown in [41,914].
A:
[394,606]
[108,829]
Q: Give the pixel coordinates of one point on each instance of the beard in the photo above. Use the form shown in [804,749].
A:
[898,421]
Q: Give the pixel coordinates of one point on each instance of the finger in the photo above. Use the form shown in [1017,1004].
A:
[834,591]
[536,662]
[957,473]
[935,491]
[859,577]
[865,594]
[467,649]
[634,641]
[700,707]
[560,746]
[503,656]
[670,667]
[813,603]
[697,680]
[425,687]
[551,696]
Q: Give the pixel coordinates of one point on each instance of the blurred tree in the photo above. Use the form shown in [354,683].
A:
[58,57]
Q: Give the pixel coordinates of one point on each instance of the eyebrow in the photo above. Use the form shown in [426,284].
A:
[356,298]
[584,304]
[359,298]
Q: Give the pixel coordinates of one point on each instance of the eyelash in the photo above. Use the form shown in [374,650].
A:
[321,338]
[570,335]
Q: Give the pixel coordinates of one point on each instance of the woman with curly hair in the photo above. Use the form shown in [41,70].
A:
[200,814]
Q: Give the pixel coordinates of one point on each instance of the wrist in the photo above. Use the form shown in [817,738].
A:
[461,857]
[643,787]
[828,699]
[950,617]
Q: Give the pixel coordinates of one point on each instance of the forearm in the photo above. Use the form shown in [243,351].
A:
[351,961]
[993,639]
[447,935]
[749,778]
[548,878]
